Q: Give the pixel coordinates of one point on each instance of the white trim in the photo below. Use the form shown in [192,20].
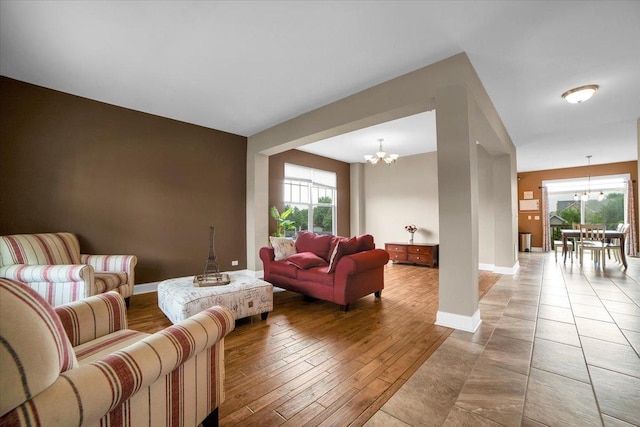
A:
[145,288]
[258,274]
[486,267]
[537,249]
[508,270]
[500,270]
[458,321]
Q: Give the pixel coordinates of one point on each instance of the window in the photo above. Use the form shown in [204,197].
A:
[564,210]
[312,194]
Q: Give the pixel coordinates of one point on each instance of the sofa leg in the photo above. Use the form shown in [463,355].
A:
[211,420]
[345,307]
[127,301]
[378,294]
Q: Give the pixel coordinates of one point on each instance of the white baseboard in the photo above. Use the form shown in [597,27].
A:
[258,274]
[500,270]
[510,271]
[145,288]
[458,321]
[536,249]
[486,267]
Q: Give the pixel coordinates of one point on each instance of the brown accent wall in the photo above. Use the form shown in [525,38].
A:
[532,181]
[125,182]
[342,170]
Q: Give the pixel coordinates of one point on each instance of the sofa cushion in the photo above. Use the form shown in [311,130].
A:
[343,247]
[306,260]
[282,247]
[316,276]
[365,243]
[319,244]
[106,282]
[283,268]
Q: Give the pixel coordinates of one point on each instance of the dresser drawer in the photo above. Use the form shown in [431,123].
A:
[413,249]
[396,248]
[397,256]
[421,258]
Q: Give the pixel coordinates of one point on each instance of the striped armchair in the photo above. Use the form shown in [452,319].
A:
[52,265]
[77,364]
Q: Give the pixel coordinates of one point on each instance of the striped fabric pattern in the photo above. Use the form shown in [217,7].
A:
[114,264]
[171,378]
[92,317]
[57,284]
[106,282]
[40,249]
[51,264]
[33,347]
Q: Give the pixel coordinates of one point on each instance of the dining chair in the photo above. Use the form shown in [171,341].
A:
[614,244]
[559,244]
[576,241]
[592,238]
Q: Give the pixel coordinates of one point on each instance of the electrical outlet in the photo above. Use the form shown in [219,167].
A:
[235,262]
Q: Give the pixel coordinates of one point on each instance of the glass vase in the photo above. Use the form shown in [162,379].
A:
[410,238]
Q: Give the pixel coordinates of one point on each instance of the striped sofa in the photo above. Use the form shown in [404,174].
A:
[77,364]
[51,264]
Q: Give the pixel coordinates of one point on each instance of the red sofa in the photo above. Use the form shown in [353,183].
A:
[345,269]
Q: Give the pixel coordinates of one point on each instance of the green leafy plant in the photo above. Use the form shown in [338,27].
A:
[283,224]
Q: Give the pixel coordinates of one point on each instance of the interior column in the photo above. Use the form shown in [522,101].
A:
[257,208]
[506,214]
[357,199]
[458,209]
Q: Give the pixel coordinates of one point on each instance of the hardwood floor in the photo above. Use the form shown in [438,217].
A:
[311,364]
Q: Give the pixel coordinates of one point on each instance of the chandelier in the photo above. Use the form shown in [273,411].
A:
[381,155]
[585,196]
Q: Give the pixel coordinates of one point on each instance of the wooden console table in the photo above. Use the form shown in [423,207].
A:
[414,253]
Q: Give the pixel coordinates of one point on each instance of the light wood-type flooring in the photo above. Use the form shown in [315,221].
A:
[311,364]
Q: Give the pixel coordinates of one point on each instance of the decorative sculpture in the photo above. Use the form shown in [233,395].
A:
[211,275]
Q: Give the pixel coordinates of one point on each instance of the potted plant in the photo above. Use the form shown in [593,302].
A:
[282,223]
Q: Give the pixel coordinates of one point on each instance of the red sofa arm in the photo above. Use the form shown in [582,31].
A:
[358,275]
[361,261]
[267,255]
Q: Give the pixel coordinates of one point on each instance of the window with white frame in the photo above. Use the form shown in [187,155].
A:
[312,194]
[596,199]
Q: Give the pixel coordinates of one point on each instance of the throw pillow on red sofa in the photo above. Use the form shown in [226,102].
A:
[305,260]
[343,247]
[319,244]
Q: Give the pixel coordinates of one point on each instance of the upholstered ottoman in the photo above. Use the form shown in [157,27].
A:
[245,296]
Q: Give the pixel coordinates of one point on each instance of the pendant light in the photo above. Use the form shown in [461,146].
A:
[585,196]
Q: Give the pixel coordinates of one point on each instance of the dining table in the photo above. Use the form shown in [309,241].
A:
[608,234]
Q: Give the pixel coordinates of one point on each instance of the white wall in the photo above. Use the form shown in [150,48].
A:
[401,194]
[486,214]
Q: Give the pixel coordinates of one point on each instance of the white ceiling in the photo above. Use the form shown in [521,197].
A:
[243,67]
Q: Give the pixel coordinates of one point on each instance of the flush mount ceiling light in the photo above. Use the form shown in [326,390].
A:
[580,94]
[381,155]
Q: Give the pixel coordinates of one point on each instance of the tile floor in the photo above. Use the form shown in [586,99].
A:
[558,346]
